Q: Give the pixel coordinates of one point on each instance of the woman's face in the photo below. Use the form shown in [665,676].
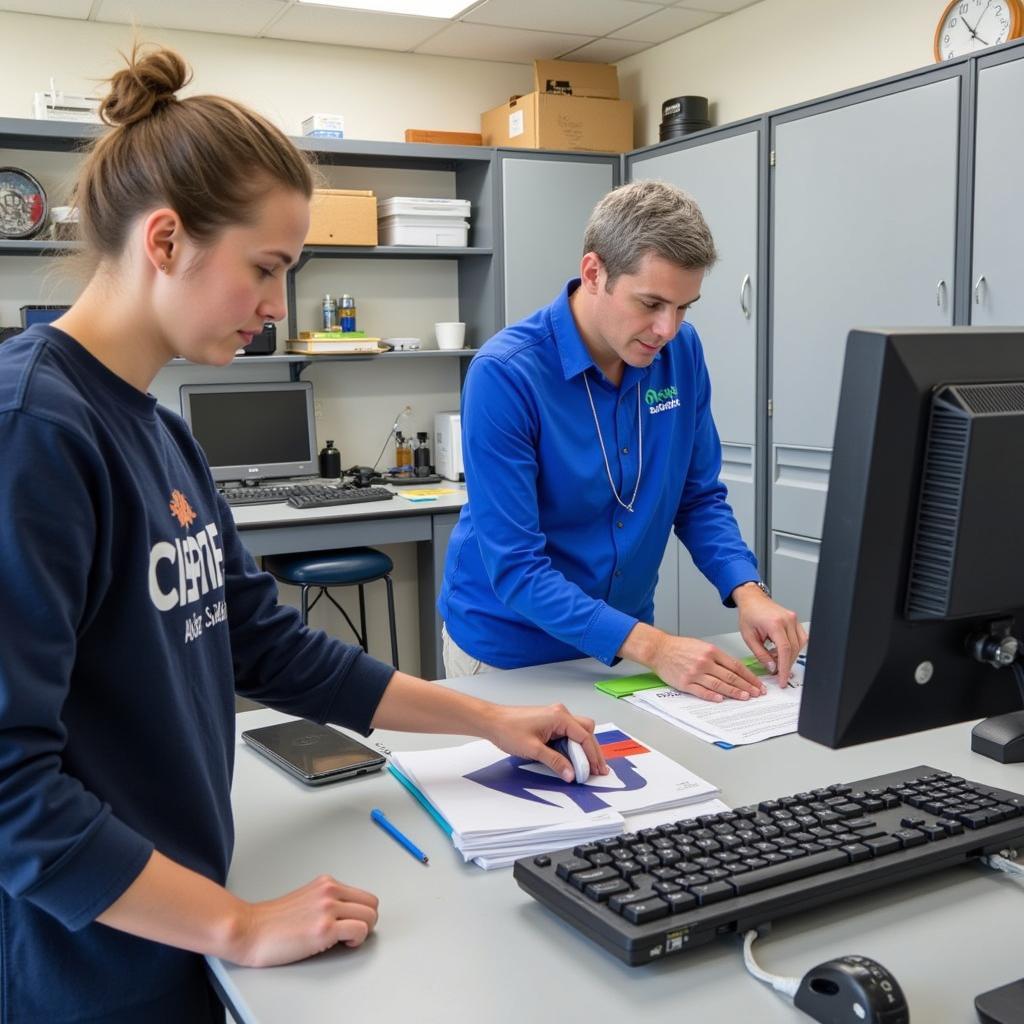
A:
[222,293]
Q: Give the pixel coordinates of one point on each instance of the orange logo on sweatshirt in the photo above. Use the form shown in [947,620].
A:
[181,509]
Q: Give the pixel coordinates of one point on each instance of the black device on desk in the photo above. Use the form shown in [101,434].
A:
[918,605]
[313,753]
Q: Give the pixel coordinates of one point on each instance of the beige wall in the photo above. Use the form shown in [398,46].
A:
[780,52]
[379,92]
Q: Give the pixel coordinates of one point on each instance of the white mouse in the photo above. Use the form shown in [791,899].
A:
[573,752]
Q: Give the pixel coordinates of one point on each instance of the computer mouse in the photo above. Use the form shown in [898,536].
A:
[573,752]
[852,990]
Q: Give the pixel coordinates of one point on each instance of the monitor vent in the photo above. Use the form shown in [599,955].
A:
[938,515]
[982,399]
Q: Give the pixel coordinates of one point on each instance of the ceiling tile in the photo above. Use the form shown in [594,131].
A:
[607,51]
[314,24]
[49,8]
[586,17]
[233,17]
[719,6]
[665,24]
[513,45]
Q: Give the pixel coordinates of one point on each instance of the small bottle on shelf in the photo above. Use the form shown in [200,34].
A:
[328,314]
[421,456]
[347,313]
[403,453]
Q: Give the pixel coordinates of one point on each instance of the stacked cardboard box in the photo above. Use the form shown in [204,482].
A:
[574,106]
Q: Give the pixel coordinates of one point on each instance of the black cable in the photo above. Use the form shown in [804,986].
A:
[1018,675]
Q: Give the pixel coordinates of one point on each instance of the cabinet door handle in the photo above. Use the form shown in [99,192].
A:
[745,296]
[940,294]
[977,289]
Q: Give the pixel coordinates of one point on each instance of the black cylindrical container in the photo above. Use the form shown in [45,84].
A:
[330,462]
[688,108]
[421,456]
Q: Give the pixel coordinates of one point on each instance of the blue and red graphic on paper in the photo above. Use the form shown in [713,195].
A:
[508,775]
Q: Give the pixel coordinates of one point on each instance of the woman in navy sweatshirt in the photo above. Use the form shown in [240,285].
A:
[116,719]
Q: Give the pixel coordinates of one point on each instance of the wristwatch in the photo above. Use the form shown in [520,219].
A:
[760,584]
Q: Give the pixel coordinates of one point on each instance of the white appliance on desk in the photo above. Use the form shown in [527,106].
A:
[448,445]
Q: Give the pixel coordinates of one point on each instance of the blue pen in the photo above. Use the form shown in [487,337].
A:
[378,816]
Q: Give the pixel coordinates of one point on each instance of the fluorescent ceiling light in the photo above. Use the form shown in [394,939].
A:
[424,8]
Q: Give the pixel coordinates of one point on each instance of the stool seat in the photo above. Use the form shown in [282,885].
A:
[330,568]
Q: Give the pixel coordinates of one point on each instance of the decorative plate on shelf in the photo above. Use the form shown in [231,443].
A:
[22,204]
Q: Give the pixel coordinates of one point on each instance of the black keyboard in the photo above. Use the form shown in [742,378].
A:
[268,494]
[338,496]
[664,890]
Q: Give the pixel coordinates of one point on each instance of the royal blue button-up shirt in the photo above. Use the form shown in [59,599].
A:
[544,564]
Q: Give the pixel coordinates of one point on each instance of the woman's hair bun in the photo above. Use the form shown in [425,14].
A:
[148,83]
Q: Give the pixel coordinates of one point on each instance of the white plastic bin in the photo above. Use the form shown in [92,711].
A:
[407,220]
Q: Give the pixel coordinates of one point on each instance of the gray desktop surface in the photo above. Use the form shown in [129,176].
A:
[457,944]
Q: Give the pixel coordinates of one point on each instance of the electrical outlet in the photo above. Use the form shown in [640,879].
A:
[318,409]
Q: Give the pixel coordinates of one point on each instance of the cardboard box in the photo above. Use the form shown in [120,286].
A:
[576,78]
[342,216]
[544,121]
[443,138]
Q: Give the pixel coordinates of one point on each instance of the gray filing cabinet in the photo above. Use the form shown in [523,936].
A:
[546,202]
[997,263]
[721,173]
[864,193]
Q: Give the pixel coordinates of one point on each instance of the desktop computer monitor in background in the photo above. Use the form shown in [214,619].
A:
[253,432]
[919,601]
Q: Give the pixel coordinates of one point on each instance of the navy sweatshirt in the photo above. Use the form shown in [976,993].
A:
[130,613]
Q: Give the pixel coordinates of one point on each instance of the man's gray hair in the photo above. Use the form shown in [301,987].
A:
[648,217]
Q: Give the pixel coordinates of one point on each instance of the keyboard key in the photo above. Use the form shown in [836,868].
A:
[681,901]
[585,850]
[619,902]
[933,832]
[667,888]
[882,845]
[628,869]
[858,851]
[664,874]
[645,910]
[910,837]
[779,874]
[600,860]
[542,861]
[713,892]
[600,891]
[566,868]
[581,879]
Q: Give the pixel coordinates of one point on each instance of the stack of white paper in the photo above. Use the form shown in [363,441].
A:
[502,807]
[734,722]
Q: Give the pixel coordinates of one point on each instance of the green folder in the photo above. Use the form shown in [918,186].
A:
[626,686]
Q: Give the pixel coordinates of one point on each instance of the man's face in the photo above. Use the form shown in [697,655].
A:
[643,311]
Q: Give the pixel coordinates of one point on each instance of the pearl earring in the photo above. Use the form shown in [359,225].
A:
[163,268]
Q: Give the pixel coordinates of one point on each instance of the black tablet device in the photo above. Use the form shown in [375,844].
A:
[313,753]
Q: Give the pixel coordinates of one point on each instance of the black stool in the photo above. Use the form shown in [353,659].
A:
[346,568]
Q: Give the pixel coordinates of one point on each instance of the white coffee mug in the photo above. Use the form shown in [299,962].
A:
[450,335]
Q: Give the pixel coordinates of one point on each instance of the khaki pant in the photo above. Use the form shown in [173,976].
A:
[457,662]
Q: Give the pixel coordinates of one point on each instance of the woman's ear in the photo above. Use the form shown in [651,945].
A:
[161,237]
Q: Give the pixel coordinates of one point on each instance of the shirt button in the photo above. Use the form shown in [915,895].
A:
[619,524]
[625,451]
[618,572]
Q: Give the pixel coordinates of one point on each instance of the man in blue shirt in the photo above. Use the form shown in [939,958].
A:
[587,436]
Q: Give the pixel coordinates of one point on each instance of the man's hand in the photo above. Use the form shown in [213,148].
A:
[693,666]
[761,620]
[526,731]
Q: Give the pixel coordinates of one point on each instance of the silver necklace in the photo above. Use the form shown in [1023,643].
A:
[604,452]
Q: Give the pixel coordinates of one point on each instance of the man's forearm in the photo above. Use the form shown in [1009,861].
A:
[642,644]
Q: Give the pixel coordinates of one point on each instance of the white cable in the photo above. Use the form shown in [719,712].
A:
[787,986]
[1001,862]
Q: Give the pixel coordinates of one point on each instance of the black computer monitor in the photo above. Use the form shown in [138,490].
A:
[920,589]
[253,432]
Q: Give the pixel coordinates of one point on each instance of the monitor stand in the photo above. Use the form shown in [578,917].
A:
[1003,1005]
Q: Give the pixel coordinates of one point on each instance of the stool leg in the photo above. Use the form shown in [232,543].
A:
[304,604]
[391,621]
[364,639]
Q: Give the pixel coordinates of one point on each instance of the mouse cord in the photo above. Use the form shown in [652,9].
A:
[1001,862]
[787,986]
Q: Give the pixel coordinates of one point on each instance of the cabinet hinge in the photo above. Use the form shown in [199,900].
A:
[771,158]
[771,407]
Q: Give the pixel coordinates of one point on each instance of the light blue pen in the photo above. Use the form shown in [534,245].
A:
[378,816]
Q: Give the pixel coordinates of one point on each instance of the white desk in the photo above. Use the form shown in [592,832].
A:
[456,944]
[280,529]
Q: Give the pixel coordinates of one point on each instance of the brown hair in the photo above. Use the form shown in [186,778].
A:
[648,217]
[208,158]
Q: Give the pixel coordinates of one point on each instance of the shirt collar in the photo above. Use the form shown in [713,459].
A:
[572,351]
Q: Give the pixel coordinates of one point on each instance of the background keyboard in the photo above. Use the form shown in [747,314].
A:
[347,496]
[266,495]
[664,890]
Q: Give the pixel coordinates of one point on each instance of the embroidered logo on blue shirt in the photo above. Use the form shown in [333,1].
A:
[661,400]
